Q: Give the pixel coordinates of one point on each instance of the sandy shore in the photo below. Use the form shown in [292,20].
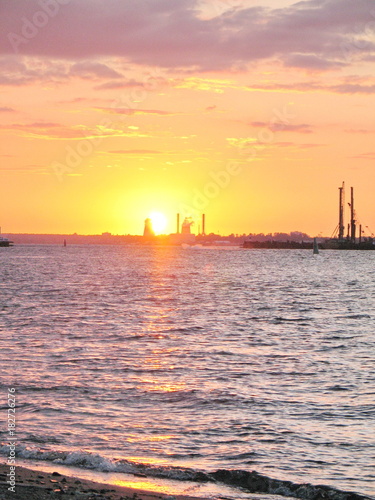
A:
[37,485]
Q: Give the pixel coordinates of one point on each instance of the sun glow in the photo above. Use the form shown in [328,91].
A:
[159,222]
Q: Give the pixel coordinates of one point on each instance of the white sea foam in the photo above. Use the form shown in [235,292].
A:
[245,480]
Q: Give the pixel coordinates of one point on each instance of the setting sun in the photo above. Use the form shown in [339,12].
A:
[159,222]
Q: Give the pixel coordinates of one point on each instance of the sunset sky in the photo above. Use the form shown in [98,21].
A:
[251,111]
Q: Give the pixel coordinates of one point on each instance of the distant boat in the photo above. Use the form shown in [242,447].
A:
[4,242]
[316,247]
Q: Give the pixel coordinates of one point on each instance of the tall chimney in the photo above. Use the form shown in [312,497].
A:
[178,223]
[352,219]
[204,224]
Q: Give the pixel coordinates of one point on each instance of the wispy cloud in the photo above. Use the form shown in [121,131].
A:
[301,128]
[350,88]
[295,145]
[90,69]
[23,70]
[129,84]
[16,71]
[54,131]
[364,156]
[313,62]
[6,109]
[313,86]
[361,131]
[132,112]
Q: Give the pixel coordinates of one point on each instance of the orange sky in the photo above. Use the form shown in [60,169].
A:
[253,112]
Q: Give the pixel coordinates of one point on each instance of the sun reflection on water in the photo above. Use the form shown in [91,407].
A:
[145,485]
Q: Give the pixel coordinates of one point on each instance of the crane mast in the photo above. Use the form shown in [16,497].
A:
[341,212]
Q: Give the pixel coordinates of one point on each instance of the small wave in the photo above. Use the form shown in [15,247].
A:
[52,388]
[280,319]
[252,482]
[188,329]
[144,336]
[338,388]
[36,438]
[258,483]
[95,461]
[355,316]
[243,456]
[332,347]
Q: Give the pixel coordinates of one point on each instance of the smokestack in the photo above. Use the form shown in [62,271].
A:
[178,223]
[204,224]
[352,219]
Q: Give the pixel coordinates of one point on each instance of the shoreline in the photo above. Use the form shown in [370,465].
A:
[33,482]
[39,485]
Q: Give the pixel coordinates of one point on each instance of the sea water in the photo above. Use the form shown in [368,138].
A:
[168,360]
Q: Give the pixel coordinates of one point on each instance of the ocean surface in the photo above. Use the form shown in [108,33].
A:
[167,361]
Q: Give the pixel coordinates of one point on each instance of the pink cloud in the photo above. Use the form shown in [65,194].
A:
[31,126]
[350,88]
[312,34]
[6,109]
[17,71]
[346,87]
[50,130]
[121,84]
[365,156]
[359,131]
[88,69]
[20,70]
[313,62]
